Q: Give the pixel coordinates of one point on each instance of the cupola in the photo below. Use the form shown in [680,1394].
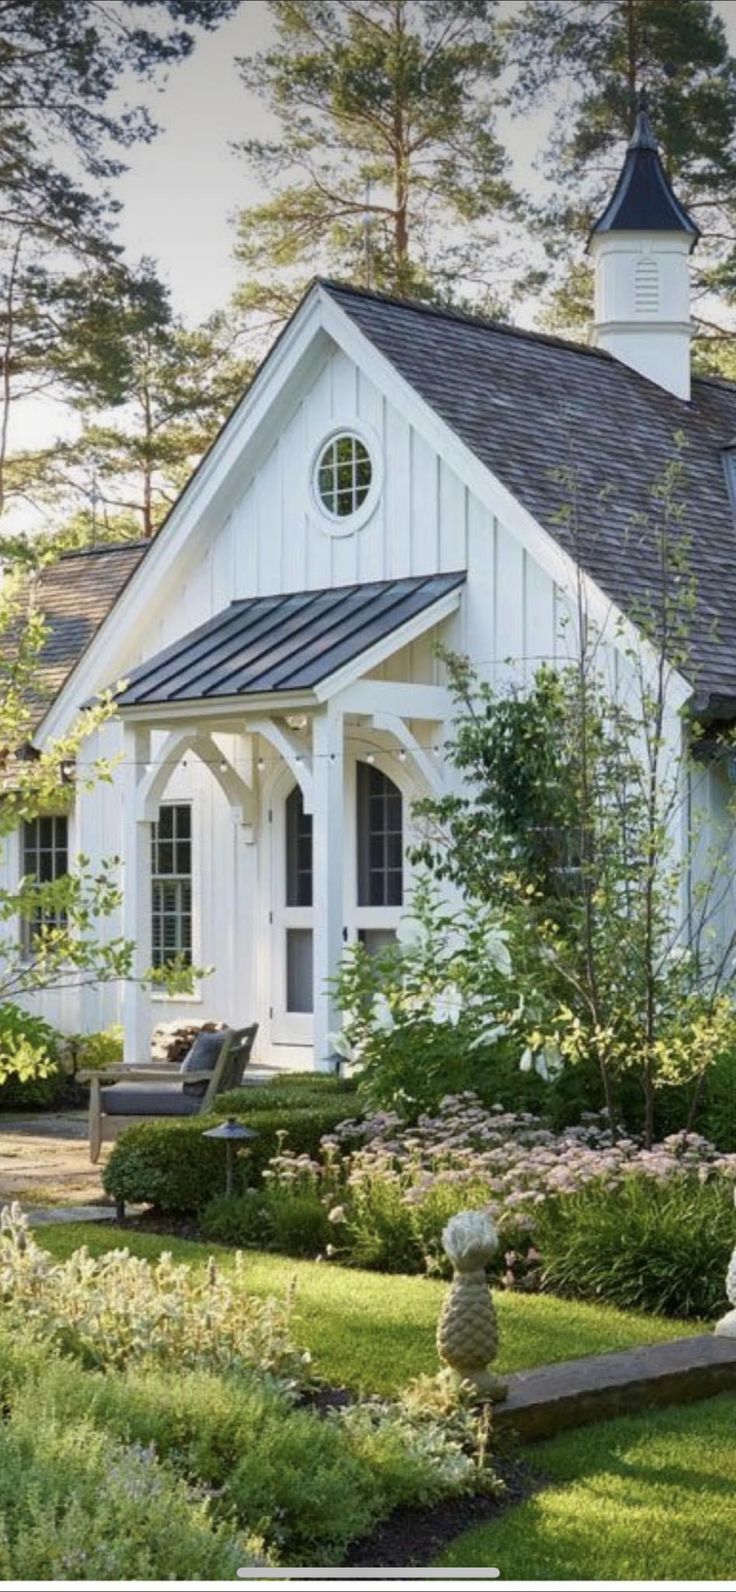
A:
[640,248]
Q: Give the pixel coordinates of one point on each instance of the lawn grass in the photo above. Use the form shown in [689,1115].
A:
[374,1333]
[644,1498]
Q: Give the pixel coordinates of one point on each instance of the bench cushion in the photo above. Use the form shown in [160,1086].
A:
[202,1058]
[148,1100]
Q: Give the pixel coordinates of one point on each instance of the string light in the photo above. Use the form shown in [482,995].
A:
[147,765]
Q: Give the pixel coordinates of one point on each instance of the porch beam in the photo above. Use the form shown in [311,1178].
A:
[423,761]
[402,699]
[224,714]
[293,752]
[194,739]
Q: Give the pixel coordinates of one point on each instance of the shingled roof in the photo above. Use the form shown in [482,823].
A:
[75,594]
[528,405]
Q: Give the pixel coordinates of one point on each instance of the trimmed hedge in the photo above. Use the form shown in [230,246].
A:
[168,1162]
[292,1094]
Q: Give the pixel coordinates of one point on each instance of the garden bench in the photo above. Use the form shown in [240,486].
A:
[125,1094]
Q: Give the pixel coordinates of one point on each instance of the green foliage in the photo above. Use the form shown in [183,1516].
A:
[280,1485]
[29,1060]
[78,1503]
[165,390]
[159,1314]
[385,116]
[663,1248]
[94,1052]
[291,1093]
[569,820]
[168,1163]
[432,1012]
[64,123]
[290,1221]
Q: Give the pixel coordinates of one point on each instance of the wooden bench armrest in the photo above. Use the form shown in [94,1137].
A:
[141,1075]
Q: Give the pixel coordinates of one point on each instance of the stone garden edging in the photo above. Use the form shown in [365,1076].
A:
[552,1398]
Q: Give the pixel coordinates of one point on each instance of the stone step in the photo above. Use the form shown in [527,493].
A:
[575,1392]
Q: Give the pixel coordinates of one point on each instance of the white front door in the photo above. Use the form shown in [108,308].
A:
[292,993]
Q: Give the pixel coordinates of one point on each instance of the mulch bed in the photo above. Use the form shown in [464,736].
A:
[414,1537]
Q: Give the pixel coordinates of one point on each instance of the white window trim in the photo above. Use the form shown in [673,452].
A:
[162,997]
[348,524]
[16,855]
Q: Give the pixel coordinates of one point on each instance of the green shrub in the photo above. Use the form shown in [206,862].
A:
[29,1062]
[77,1503]
[658,1247]
[237,1219]
[307,1486]
[168,1163]
[290,1221]
[380,1230]
[296,1221]
[119,1309]
[291,1095]
[94,1051]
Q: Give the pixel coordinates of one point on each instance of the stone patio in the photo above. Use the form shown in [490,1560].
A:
[44,1161]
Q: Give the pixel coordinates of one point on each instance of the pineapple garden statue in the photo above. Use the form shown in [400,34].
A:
[467,1331]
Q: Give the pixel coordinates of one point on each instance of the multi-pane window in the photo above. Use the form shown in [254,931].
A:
[298,851]
[380,839]
[344,474]
[171,884]
[45,844]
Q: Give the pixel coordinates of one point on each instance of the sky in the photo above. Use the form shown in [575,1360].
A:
[180,192]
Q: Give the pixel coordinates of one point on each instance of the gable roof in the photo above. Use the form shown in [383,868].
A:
[75,594]
[533,408]
[287,642]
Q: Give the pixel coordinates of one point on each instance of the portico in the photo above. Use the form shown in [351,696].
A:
[292,707]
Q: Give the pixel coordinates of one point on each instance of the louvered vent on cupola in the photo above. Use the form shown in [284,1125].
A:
[646,286]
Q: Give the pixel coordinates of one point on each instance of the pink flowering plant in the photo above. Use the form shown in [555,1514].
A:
[388,1200]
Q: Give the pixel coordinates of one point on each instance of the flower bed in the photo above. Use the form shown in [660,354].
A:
[384,1204]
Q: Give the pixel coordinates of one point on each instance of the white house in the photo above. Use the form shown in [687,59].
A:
[390,480]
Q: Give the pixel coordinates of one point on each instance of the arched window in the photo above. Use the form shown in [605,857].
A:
[298,851]
[380,832]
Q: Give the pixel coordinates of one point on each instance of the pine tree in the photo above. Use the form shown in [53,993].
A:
[594,59]
[386,169]
[62,135]
[151,393]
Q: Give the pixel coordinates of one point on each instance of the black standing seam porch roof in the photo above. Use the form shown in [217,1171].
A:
[288,642]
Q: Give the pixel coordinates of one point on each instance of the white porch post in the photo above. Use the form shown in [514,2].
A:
[136,892]
[327,872]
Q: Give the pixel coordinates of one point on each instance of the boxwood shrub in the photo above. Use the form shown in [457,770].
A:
[167,1162]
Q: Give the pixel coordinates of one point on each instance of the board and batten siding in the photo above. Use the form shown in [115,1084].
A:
[270,539]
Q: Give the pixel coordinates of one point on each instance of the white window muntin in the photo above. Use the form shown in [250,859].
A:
[344,524]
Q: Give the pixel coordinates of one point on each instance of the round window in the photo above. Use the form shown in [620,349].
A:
[343,476]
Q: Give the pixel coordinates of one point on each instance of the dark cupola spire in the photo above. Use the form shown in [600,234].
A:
[643,199]
[640,249]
